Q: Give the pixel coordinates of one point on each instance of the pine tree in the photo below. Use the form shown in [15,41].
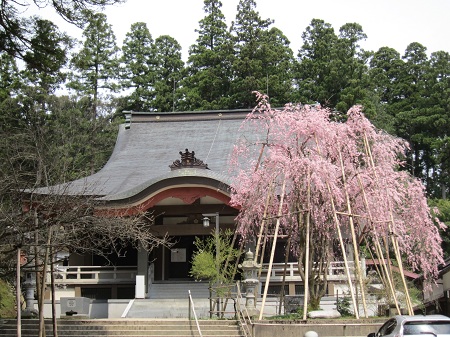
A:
[438,95]
[332,70]
[352,69]
[247,30]
[9,76]
[207,83]
[96,64]
[278,64]
[14,26]
[138,70]
[169,72]
[262,60]
[47,55]
[315,78]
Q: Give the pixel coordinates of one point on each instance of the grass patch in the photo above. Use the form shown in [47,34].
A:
[7,301]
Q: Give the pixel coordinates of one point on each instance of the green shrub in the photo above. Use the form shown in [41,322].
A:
[7,301]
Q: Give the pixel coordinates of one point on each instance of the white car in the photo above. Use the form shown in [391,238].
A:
[399,326]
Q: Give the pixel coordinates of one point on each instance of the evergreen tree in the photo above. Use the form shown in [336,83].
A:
[47,55]
[14,27]
[352,69]
[316,76]
[9,76]
[332,69]
[438,94]
[410,111]
[385,71]
[96,64]
[209,65]
[71,139]
[169,72]
[278,65]
[250,32]
[138,68]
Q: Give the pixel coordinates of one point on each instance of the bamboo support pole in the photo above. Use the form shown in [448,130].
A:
[308,214]
[386,265]
[283,281]
[341,242]
[382,270]
[353,233]
[264,220]
[400,267]
[269,271]
[392,230]
[388,273]
[263,251]
[375,258]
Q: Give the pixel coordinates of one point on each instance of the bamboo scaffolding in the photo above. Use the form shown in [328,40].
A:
[392,230]
[308,214]
[400,267]
[388,273]
[263,227]
[341,242]
[283,282]
[374,258]
[269,271]
[388,264]
[362,217]
[378,250]
[264,220]
[263,251]
[355,243]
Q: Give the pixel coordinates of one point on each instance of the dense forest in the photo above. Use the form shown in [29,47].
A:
[61,99]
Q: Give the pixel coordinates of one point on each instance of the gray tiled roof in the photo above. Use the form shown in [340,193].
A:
[144,151]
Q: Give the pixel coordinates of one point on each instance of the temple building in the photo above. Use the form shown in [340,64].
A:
[175,166]
[172,165]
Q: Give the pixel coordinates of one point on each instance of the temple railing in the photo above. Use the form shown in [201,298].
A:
[95,275]
[127,274]
[335,271]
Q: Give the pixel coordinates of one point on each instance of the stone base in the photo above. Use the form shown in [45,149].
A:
[75,317]
[324,314]
[29,313]
[253,312]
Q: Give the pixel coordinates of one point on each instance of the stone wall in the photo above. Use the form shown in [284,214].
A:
[324,328]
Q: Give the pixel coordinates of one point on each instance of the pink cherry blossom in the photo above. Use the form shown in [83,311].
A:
[301,144]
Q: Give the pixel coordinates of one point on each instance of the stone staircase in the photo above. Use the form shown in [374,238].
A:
[179,290]
[125,328]
[170,300]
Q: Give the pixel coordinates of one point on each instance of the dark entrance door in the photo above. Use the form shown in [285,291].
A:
[180,257]
[174,263]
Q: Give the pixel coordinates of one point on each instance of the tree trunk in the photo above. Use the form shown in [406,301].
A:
[18,293]
[52,279]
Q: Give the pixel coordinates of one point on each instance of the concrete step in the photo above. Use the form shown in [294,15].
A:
[173,308]
[125,328]
[179,290]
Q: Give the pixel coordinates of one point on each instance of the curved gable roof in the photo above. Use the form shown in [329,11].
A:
[149,142]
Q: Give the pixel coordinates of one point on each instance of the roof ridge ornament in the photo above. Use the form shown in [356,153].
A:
[188,160]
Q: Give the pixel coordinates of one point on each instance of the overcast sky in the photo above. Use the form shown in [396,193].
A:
[392,23]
